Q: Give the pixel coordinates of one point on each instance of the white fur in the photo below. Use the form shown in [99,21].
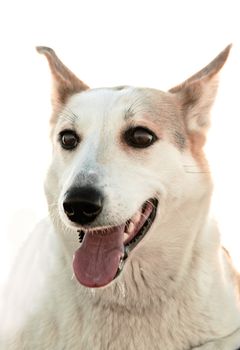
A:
[177,290]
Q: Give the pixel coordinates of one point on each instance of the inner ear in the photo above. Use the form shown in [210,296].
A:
[65,82]
[209,70]
[196,95]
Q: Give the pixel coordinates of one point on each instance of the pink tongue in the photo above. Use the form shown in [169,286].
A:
[96,262]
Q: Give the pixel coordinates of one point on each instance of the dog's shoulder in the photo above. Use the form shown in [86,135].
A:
[30,273]
[231,342]
[232,271]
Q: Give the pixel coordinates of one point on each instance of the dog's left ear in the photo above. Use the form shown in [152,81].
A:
[65,83]
[196,95]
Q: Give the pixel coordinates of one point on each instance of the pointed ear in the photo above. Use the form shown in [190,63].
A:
[196,95]
[65,83]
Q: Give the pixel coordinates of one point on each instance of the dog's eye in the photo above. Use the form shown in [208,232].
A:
[68,139]
[139,137]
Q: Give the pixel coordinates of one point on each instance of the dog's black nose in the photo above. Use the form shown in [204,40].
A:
[83,204]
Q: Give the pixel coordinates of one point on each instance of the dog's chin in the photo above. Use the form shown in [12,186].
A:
[103,251]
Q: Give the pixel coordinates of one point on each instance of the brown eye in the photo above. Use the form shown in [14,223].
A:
[139,137]
[68,139]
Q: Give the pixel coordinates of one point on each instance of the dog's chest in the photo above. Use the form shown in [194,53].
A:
[114,330]
[119,328]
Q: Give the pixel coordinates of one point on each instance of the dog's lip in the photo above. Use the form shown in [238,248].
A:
[133,227]
[134,240]
[142,219]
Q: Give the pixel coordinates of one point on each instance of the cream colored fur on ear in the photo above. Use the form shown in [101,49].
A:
[196,95]
[65,83]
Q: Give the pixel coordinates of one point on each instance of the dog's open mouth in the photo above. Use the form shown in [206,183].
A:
[103,252]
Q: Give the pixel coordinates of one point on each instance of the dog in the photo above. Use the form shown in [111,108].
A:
[130,257]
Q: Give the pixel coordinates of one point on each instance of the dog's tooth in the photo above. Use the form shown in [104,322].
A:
[136,218]
[125,236]
[126,252]
[130,228]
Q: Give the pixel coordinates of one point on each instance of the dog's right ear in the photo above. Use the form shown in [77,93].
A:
[196,95]
[65,83]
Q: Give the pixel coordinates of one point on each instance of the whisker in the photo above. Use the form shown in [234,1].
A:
[66,112]
[198,172]
[53,205]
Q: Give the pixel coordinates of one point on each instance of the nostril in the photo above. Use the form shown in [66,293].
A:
[68,209]
[91,210]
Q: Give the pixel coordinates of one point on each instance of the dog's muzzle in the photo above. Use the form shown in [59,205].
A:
[104,250]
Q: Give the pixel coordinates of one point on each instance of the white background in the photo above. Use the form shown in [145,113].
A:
[147,43]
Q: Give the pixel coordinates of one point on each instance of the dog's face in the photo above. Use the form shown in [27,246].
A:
[129,145]
[124,159]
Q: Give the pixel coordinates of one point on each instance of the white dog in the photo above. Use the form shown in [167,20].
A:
[130,257]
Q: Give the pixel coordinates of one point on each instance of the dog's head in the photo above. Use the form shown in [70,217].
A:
[125,160]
